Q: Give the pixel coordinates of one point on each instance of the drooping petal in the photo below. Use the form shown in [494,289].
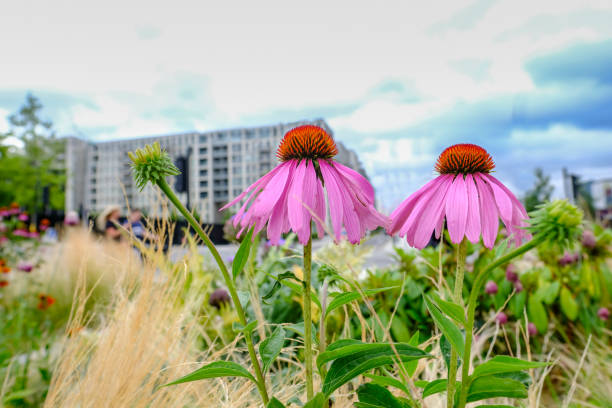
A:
[503,202]
[472,229]
[488,221]
[362,183]
[253,187]
[519,215]
[334,198]
[399,217]
[413,210]
[457,209]
[431,215]
[298,215]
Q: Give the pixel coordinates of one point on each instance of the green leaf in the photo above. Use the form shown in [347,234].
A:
[318,401]
[347,297]
[448,328]
[271,347]
[504,364]
[215,370]
[387,381]
[450,309]
[569,307]
[493,387]
[244,297]
[495,406]
[537,313]
[434,387]
[274,403]
[400,330]
[298,328]
[551,292]
[238,328]
[374,395]
[411,366]
[242,255]
[351,358]
[282,279]
[520,376]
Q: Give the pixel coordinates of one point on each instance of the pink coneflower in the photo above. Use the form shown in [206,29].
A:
[467,196]
[603,313]
[292,195]
[23,217]
[25,266]
[72,218]
[20,232]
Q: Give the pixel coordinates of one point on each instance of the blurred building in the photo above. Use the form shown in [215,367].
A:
[596,194]
[219,165]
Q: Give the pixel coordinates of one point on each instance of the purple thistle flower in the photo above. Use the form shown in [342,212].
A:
[603,313]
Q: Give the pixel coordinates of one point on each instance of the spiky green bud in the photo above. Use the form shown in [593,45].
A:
[559,221]
[151,163]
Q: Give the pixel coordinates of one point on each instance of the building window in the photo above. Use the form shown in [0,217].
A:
[204,172]
[203,194]
[203,162]
[203,183]
[203,138]
[203,150]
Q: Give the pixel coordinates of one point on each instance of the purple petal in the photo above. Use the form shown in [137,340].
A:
[430,216]
[472,229]
[488,220]
[362,183]
[334,198]
[457,209]
[399,217]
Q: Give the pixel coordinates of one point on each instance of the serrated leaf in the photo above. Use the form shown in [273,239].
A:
[569,307]
[374,395]
[493,387]
[387,381]
[504,364]
[215,370]
[537,313]
[274,403]
[353,358]
[242,255]
[347,297]
[434,387]
[448,328]
[271,347]
[450,309]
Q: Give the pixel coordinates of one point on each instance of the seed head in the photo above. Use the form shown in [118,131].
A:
[559,221]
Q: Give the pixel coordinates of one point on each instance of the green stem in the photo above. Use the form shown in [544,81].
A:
[458,299]
[261,382]
[474,293]
[308,319]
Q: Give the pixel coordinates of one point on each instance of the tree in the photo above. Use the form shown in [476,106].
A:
[27,171]
[541,191]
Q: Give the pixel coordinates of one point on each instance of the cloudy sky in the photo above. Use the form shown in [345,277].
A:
[529,81]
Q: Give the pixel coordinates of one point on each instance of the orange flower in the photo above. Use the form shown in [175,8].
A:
[6,269]
[4,283]
[45,221]
[45,301]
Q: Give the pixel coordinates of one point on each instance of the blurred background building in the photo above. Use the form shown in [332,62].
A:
[217,166]
[593,195]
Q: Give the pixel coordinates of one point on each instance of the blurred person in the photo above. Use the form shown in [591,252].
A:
[108,222]
[134,222]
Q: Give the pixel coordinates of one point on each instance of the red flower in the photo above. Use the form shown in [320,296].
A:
[4,283]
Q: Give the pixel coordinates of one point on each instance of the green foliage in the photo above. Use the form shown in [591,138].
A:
[271,347]
[242,255]
[375,396]
[27,170]
[540,193]
[215,370]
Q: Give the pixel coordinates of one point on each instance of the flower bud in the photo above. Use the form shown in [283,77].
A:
[588,239]
[501,318]
[603,313]
[558,221]
[151,163]
[518,286]
[491,287]
[218,297]
[532,329]
[511,274]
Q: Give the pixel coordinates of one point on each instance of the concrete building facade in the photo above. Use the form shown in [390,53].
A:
[221,164]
